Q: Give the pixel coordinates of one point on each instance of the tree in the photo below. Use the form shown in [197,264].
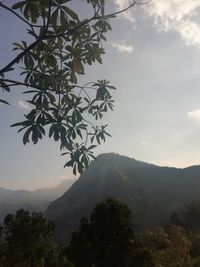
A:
[61,44]
[170,247]
[2,247]
[28,241]
[107,239]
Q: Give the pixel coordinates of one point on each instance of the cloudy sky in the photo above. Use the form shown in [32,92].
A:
[153,58]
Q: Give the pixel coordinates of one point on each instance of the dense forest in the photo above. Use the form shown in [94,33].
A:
[106,239]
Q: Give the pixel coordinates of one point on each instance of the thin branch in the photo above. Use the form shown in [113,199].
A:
[43,17]
[69,31]
[82,89]
[20,17]
[49,14]
[20,56]
[14,83]
[17,83]
[15,13]
[125,9]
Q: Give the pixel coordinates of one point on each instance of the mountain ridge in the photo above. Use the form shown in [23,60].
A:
[35,200]
[152,192]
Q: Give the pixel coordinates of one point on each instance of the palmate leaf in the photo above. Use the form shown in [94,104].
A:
[63,44]
[70,12]
[4,86]
[19,5]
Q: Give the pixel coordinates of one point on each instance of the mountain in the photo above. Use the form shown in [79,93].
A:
[151,192]
[37,200]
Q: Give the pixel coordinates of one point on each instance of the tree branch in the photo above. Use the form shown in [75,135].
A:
[16,14]
[20,56]
[69,31]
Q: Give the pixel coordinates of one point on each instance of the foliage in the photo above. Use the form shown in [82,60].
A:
[107,239]
[170,248]
[28,240]
[61,44]
[189,218]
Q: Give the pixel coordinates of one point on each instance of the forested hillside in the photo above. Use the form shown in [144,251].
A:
[107,238]
[151,192]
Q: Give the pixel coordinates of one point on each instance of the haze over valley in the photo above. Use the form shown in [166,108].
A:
[33,201]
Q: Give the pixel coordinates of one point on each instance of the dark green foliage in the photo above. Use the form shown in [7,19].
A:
[28,241]
[192,216]
[176,219]
[107,239]
[169,248]
[189,218]
[194,236]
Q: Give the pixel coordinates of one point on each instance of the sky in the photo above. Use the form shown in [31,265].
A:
[153,58]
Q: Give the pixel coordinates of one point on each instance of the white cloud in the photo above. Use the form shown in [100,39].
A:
[178,16]
[122,4]
[195,114]
[23,105]
[171,15]
[123,47]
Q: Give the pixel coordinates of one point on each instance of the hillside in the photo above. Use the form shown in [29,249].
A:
[37,200]
[152,192]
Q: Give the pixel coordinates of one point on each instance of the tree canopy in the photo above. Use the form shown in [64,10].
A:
[27,240]
[61,43]
[107,239]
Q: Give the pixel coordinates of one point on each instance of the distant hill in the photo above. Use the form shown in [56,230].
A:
[151,192]
[37,200]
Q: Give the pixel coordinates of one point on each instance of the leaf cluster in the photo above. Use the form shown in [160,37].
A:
[62,45]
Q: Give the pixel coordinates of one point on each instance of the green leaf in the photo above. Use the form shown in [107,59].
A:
[19,5]
[4,86]
[85,161]
[34,135]
[74,169]
[111,87]
[70,12]
[91,147]
[30,92]
[54,17]
[4,102]
[63,19]
[56,134]
[27,12]
[68,164]
[26,135]
[51,130]
[80,167]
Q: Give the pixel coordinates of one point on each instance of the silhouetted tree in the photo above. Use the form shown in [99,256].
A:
[107,239]
[29,241]
[176,219]
[192,216]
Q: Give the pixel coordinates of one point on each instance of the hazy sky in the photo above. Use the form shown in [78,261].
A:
[153,58]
